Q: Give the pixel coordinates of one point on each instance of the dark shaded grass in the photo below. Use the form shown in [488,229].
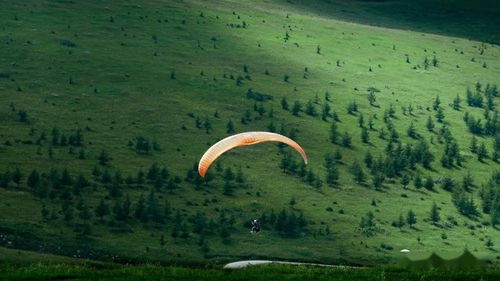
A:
[476,20]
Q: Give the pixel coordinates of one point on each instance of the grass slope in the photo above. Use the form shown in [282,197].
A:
[116,84]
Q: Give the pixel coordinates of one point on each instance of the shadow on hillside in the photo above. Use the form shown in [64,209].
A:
[466,261]
[477,20]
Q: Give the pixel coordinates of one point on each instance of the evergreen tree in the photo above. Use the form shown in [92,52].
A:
[456,103]
[332,176]
[81,154]
[473,145]
[67,211]
[368,160]
[207,125]
[437,103]
[417,182]
[411,218]
[371,98]
[33,179]
[85,213]
[465,204]
[230,127]
[378,180]
[429,183]
[142,145]
[352,107]
[361,120]
[102,210]
[297,107]
[334,134]
[434,214]
[496,148]
[66,178]
[365,137]
[430,124]
[411,131]
[440,115]
[367,221]
[284,103]
[346,140]
[115,190]
[106,177]
[153,210]
[337,156]
[45,213]
[401,222]
[104,158]
[310,109]
[495,216]
[325,113]
[370,122]
[16,176]
[435,61]
[358,173]
[140,209]
[467,182]
[482,152]
[405,180]
[118,211]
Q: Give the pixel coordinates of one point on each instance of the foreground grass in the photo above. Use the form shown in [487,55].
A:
[116,83]
[151,272]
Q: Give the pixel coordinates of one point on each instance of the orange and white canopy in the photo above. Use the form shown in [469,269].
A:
[243,139]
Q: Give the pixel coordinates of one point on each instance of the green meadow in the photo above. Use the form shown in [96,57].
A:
[106,107]
[40,272]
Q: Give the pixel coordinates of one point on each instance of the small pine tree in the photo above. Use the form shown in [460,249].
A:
[473,145]
[430,124]
[482,153]
[365,137]
[102,210]
[456,103]
[33,179]
[346,139]
[357,171]
[284,103]
[334,134]
[417,182]
[429,183]
[434,214]
[437,103]
[411,218]
[297,108]
[104,158]
[230,127]
[405,180]
[16,176]
[401,222]
[440,115]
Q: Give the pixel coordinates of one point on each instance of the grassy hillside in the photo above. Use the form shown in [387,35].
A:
[12,260]
[173,74]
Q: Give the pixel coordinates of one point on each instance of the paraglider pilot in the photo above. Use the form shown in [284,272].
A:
[255,226]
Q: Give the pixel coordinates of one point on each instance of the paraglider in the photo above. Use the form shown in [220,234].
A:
[243,139]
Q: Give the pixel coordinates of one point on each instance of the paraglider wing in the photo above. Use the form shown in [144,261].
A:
[243,139]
